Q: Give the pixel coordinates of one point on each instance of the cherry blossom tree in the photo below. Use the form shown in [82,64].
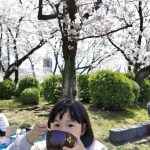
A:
[81,32]
[134,42]
[77,21]
[16,42]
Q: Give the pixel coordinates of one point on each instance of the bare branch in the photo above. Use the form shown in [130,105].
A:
[141,22]
[20,2]
[44,17]
[120,50]
[32,66]
[17,63]
[102,35]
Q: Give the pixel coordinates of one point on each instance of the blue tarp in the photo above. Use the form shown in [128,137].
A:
[3,147]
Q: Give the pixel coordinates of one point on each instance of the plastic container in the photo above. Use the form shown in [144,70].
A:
[4,141]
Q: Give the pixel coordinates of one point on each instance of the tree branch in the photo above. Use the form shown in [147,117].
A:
[44,17]
[120,50]
[8,50]
[127,26]
[141,22]
[17,63]
[32,66]
[141,75]
[20,2]
[56,64]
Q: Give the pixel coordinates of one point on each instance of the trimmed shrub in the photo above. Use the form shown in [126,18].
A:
[130,75]
[110,89]
[83,88]
[145,91]
[26,83]
[53,88]
[30,96]
[136,90]
[16,92]
[7,89]
[41,90]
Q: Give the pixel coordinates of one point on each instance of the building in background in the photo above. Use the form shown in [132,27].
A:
[47,64]
[42,70]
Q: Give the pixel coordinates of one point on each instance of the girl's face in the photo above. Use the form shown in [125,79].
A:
[66,124]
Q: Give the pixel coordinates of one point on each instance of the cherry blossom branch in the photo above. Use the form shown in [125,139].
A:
[17,63]
[102,35]
[119,49]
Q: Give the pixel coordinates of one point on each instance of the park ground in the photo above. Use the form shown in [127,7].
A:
[101,119]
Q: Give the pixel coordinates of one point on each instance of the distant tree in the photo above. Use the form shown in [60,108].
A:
[15,42]
[134,42]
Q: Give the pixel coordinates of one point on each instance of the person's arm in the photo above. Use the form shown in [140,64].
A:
[20,143]
[26,142]
[37,133]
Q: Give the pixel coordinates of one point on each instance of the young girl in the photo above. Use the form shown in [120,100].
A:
[66,115]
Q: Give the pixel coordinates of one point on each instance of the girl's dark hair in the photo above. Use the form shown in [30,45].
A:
[0,111]
[77,112]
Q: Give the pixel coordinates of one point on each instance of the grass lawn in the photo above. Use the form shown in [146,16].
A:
[101,119]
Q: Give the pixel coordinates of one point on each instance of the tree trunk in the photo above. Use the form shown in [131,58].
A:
[16,76]
[16,70]
[56,59]
[69,73]
[1,37]
[141,75]
[69,55]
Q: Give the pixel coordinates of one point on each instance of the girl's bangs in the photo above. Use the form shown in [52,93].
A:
[73,109]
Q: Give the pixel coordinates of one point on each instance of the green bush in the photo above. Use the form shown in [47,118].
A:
[83,88]
[41,90]
[26,83]
[130,75]
[7,89]
[110,89]
[16,92]
[53,88]
[145,91]
[136,90]
[30,96]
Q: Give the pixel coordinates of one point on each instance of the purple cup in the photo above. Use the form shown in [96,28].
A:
[56,140]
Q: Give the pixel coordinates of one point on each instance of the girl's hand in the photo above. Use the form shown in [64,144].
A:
[37,133]
[79,145]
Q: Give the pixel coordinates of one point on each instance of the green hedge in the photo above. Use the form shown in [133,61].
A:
[26,83]
[136,90]
[41,90]
[110,89]
[53,88]
[130,75]
[145,91]
[83,88]
[7,89]
[30,96]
